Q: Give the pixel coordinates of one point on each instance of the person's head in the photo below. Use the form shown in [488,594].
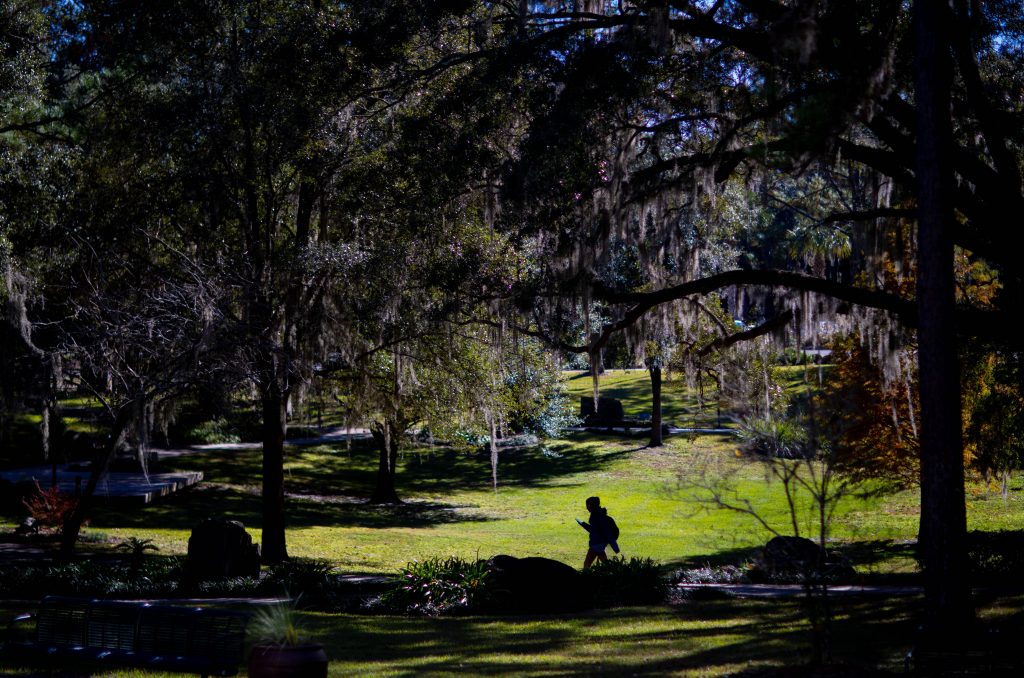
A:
[593,503]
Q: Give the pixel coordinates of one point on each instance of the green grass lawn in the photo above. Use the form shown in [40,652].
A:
[690,638]
[657,496]
[451,508]
[707,638]
[699,639]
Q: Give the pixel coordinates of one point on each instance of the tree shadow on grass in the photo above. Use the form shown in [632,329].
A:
[328,486]
[184,510]
[630,641]
[443,470]
[862,555]
[328,470]
[734,556]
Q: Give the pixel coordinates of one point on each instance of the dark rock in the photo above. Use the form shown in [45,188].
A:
[792,554]
[221,548]
[796,557]
[608,409]
[535,585]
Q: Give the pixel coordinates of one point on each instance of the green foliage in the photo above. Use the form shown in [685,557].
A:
[137,548]
[453,585]
[621,581]
[212,432]
[783,438]
[156,577]
[312,578]
[555,414]
[439,586]
[276,625]
[711,574]
[993,412]
[996,557]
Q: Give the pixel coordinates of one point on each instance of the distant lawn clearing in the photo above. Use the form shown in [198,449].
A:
[451,508]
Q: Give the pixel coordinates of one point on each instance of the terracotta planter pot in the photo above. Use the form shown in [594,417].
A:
[288,661]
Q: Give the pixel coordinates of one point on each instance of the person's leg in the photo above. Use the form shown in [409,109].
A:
[602,556]
[589,560]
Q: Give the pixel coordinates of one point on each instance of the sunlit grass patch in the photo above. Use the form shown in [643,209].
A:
[451,508]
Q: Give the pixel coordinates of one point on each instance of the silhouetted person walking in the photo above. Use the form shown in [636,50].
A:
[603,532]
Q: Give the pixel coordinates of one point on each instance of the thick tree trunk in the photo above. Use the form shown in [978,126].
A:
[274,401]
[386,435]
[943,526]
[656,437]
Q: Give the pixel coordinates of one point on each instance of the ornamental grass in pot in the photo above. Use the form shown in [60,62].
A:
[280,648]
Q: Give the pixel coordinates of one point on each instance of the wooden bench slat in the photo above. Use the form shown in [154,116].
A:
[61,626]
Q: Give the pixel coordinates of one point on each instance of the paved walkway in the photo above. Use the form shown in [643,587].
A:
[791,590]
[640,428]
[134,487]
[140,488]
[332,434]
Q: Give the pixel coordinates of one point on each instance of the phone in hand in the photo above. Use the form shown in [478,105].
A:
[579,521]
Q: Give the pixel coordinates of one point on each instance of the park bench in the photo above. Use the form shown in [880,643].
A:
[78,633]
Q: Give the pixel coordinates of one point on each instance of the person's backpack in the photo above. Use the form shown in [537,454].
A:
[611,527]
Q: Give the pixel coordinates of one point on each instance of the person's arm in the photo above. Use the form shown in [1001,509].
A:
[583,525]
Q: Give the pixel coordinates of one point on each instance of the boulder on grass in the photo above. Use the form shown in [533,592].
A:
[792,555]
[220,548]
[796,557]
[608,410]
[525,585]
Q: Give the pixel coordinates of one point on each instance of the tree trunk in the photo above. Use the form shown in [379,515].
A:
[494,450]
[73,524]
[52,425]
[304,211]
[274,402]
[386,435]
[656,437]
[943,527]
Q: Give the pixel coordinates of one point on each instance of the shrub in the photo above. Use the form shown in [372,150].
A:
[556,414]
[50,507]
[710,574]
[311,578]
[996,556]
[782,438]
[231,587]
[215,431]
[618,581]
[439,586]
[136,549]
[276,625]
[156,577]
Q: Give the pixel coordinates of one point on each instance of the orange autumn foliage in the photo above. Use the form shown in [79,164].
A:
[871,426]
